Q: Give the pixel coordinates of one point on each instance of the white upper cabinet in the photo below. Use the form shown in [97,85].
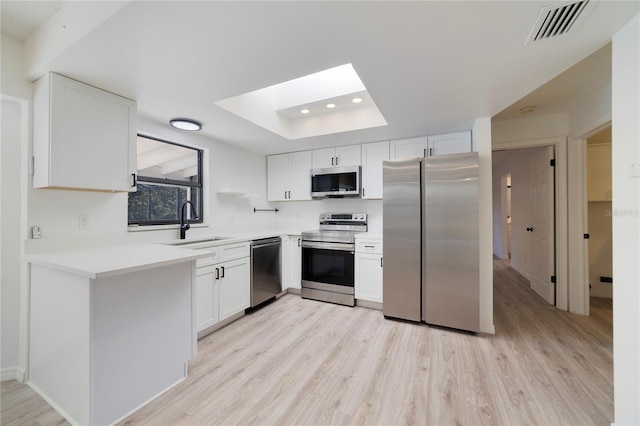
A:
[403,149]
[451,143]
[84,137]
[373,154]
[288,176]
[338,156]
[425,146]
[278,177]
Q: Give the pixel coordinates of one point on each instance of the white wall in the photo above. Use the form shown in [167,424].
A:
[626,222]
[529,128]
[299,216]
[592,107]
[57,211]
[12,83]
[10,230]
[482,141]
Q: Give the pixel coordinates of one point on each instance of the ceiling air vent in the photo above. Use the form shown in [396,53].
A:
[556,20]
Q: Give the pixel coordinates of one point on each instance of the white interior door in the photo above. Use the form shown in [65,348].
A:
[542,227]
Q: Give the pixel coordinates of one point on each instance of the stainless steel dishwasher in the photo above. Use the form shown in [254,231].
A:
[266,271]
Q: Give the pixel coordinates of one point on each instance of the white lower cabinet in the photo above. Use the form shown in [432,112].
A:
[206,294]
[222,284]
[291,262]
[368,270]
[295,261]
[233,287]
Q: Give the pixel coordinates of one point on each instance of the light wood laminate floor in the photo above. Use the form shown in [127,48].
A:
[303,362]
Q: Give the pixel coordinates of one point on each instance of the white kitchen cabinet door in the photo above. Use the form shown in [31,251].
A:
[84,137]
[338,156]
[288,177]
[323,158]
[233,287]
[284,262]
[373,154]
[299,176]
[451,143]
[348,155]
[206,298]
[278,177]
[368,277]
[295,261]
[403,149]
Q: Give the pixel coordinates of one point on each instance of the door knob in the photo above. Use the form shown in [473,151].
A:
[529,229]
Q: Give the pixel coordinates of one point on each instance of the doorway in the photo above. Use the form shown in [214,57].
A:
[524,215]
[599,212]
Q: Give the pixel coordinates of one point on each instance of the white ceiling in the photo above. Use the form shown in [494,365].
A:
[431,67]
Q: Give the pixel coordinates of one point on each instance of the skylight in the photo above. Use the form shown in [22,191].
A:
[301,108]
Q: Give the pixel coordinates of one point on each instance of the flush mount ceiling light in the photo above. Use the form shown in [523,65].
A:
[331,106]
[304,111]
[527,109]
[185,124]
[356,100]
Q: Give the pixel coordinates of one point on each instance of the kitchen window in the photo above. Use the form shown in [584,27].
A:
[169,174]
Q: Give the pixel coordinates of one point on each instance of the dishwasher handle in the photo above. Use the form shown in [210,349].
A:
[265,243]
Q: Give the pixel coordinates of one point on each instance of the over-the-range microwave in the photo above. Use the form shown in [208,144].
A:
[335,182]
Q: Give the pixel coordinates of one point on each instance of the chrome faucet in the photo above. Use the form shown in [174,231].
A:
[184,223]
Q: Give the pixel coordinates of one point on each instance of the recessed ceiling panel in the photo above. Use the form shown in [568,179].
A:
[330,101]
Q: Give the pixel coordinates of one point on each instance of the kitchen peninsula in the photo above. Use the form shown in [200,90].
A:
[110,328]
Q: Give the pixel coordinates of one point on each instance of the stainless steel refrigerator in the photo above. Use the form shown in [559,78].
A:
[430,240]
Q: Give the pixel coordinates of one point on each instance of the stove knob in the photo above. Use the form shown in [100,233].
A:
[361,217]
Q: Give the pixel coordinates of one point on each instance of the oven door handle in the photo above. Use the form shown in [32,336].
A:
[329,246]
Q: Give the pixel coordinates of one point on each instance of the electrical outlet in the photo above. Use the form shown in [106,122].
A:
[83,222]
[35,232]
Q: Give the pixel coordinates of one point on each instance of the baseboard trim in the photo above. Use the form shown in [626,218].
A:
[219,325]
[12,373]
[521,272]
[368,304]
[487,328]
[53,404]
[148,401]
[292,290]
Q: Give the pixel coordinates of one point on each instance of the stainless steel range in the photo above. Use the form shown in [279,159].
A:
[328,254]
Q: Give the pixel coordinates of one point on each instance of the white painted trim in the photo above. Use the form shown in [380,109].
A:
[53,404]
[521,272]
[149,400]
[592,128]
[561,233]
[487,328]
[9,373]
[204,332]
[578,201]
[368,304]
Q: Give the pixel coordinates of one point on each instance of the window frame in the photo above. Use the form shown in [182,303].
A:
[199,204]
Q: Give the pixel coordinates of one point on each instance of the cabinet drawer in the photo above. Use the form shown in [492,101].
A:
[369,246]
[233,251]
[211,260]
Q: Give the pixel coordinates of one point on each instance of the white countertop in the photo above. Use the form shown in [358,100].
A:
[110,260]
[102,262]
[369,236]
